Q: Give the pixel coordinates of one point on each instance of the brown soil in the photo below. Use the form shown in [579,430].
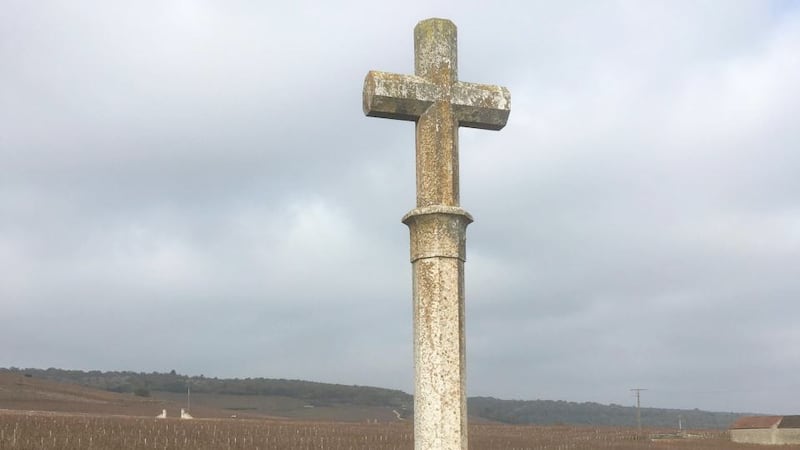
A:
[21,393]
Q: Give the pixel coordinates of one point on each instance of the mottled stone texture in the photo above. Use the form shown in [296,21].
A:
[439,104]
[438,251]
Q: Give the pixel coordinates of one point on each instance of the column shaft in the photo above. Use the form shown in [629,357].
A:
[438,241]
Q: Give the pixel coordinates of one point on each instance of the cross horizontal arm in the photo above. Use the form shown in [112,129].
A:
[481,105]
[406,97]
[394,96]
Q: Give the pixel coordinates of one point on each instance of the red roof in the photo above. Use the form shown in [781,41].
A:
[744,423]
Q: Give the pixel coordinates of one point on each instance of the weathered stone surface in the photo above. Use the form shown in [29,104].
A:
[480,105]
[440,403]
[439,104]
[438,231]
[406,97]
[438,252]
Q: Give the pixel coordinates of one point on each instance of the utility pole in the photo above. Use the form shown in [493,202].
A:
[638,408]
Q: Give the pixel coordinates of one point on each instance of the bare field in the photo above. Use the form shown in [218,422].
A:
[50,431]
[82,418]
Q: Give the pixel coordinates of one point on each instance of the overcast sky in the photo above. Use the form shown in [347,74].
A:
[192,185]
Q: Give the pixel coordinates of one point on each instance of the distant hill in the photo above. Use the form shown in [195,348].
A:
[142,384]
[560,412]
[25,392]
[311,400]
[262,397]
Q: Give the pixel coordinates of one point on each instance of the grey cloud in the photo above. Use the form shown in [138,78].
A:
[199,181]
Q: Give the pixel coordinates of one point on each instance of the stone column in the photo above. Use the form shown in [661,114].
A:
[439,103]
[438,252]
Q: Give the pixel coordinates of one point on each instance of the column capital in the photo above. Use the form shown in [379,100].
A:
[438,231]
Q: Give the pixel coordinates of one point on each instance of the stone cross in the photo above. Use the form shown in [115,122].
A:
[438,103]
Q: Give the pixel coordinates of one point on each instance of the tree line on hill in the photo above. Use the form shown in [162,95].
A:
[141,383]
[595,414]
[543,412]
